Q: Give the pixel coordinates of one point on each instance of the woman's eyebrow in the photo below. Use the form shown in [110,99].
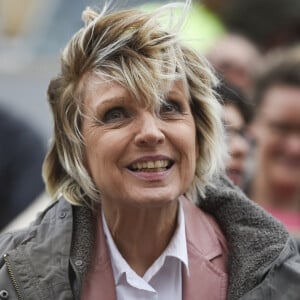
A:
[177,93]
[110,100]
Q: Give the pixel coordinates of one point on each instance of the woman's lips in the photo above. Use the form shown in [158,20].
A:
[151,168]
[151,165]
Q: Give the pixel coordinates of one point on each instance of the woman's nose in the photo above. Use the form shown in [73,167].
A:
[149,132]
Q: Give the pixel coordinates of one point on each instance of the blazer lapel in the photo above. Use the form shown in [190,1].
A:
[207,253]
[99,283]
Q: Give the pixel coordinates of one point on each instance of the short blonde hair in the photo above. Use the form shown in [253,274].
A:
[132,48]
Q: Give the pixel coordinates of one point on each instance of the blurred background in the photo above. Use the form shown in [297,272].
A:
[32,34]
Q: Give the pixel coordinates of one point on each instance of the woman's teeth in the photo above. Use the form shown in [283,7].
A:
[151,166]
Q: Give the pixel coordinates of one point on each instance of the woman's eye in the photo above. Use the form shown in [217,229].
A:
[117,114]
[170,107]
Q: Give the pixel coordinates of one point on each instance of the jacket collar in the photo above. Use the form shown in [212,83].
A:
[255,239]
[206,251]
[92,287]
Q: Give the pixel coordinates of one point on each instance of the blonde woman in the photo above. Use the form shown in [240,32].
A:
[135,166]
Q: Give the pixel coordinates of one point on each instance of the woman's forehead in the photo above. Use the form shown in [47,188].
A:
[105,88]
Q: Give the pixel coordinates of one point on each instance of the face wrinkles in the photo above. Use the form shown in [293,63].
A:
[135,156]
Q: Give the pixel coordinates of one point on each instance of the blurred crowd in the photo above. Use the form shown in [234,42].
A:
[255,50]
[258,62]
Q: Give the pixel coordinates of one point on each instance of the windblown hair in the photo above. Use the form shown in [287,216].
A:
[133,48]
[280,67]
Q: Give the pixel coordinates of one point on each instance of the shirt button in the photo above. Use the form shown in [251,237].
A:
[78,262]
[4,294]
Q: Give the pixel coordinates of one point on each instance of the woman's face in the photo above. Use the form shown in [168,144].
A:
[237,144]
[134,156]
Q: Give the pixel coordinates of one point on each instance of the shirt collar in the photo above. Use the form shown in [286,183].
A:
[178,245]
[177,248]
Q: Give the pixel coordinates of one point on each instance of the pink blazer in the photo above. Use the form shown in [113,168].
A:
[207,254]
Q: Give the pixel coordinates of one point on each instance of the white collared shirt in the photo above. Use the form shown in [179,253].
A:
[163,280]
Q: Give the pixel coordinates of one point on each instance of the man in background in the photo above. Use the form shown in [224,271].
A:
[275,182]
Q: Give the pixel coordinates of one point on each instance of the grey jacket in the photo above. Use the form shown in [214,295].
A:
[49,259]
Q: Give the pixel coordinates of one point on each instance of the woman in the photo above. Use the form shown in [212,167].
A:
[236,115]
[138,145]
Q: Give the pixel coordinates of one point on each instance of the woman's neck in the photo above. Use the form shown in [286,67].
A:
[141,234]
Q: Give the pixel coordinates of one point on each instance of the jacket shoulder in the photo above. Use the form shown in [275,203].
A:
[282,278]
[11,240]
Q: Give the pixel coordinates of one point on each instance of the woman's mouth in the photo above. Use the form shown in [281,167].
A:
[151,166]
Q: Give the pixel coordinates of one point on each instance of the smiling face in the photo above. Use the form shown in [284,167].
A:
[277,131]
[136,156]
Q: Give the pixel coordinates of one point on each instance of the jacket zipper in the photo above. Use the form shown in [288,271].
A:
[12,277]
